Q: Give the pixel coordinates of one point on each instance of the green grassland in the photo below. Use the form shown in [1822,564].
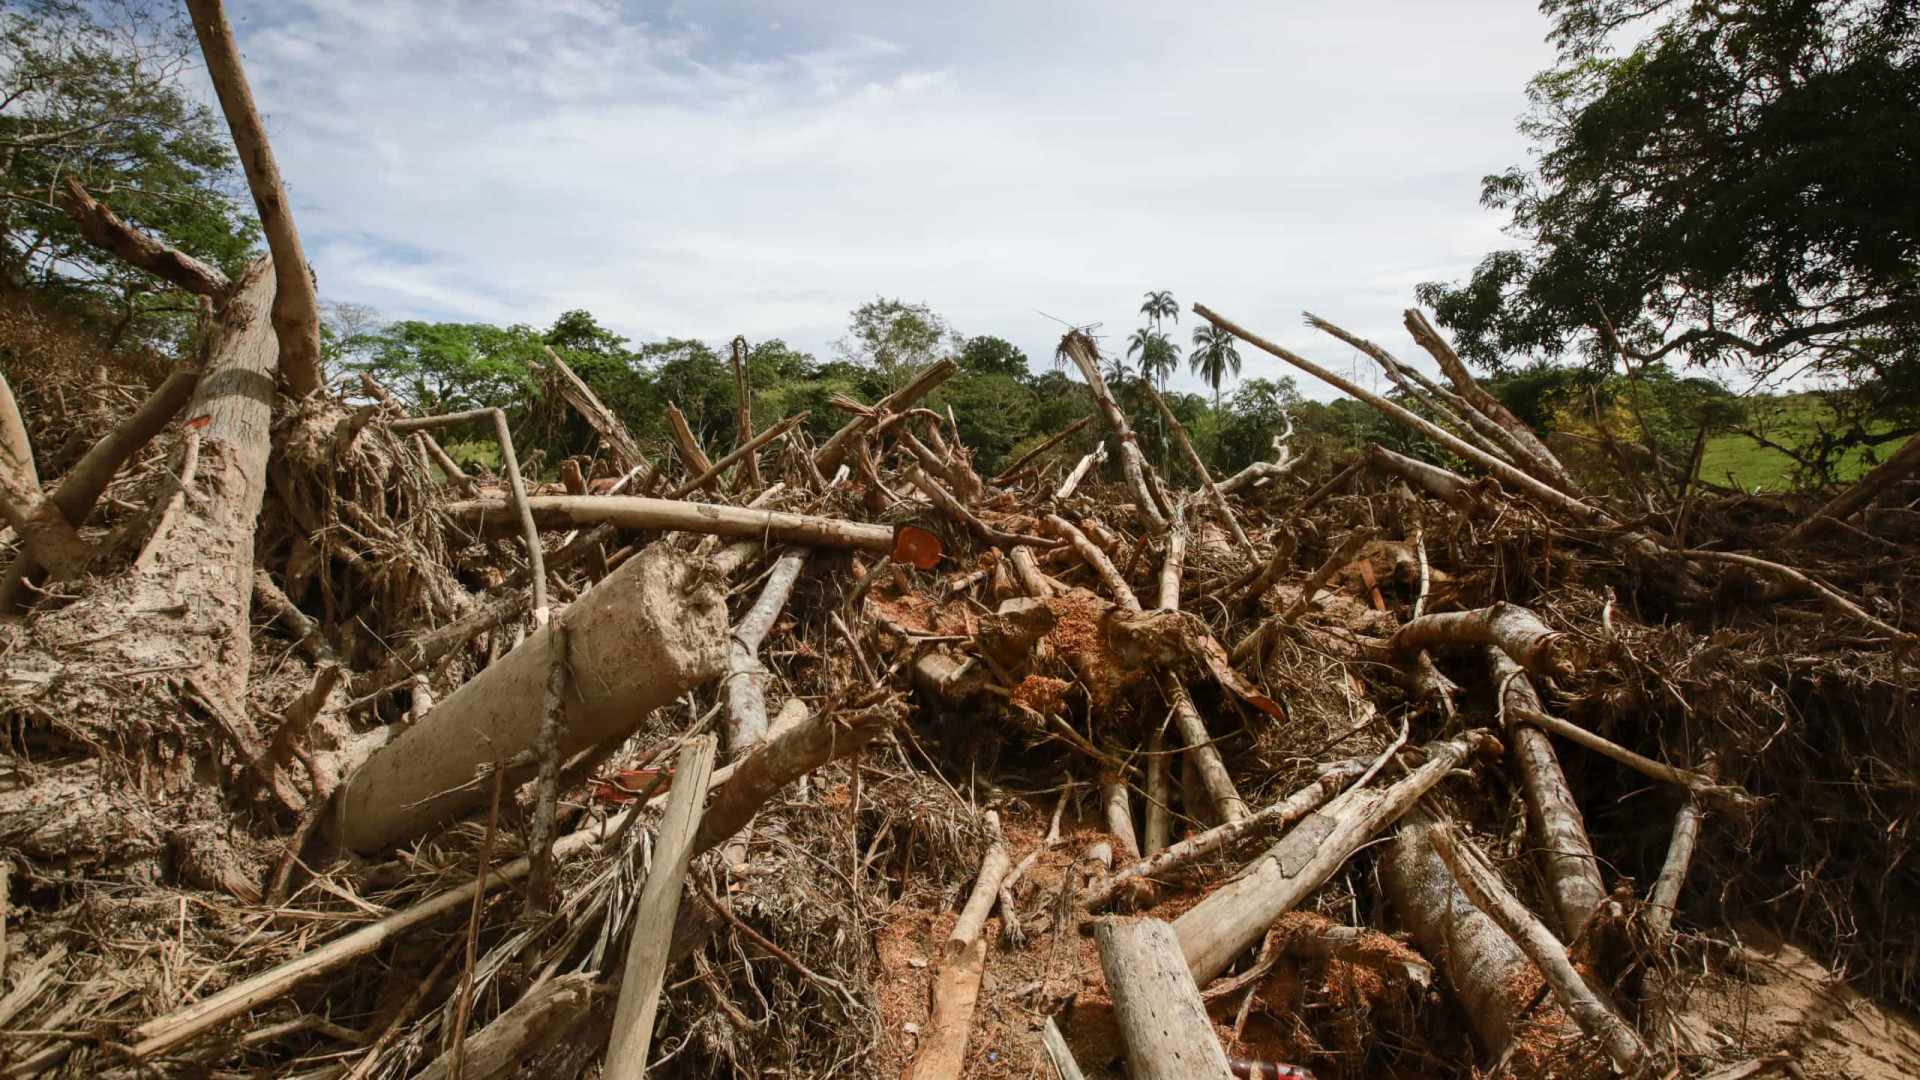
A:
[1788,420]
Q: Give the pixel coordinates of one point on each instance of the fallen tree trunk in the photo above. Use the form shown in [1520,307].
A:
[186,612]
[1517,477]
[540,1019]
[1520,439]
[1155,1002]
[1490,895]
[104,230]
[1277,816]
[83,484]
[639,639]
[747,677]
[1234,916]
[613,432]
[956,987]
[1862,491]
[1559,831]
[1489,974]
[632,512]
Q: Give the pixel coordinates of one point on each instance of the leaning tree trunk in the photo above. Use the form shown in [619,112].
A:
[118,663]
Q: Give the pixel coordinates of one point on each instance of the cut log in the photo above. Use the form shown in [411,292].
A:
[1559,831]
[493,516]
[1490,895]
[653,914]
[956,987]
[1072,482]
[1232,918]
[1079,348]
[1447,486]
[1156,1003]
[296,308]
[639,639]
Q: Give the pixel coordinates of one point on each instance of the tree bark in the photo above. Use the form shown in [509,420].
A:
[638,640]
[1559,831]
[1156,1003]
[492,517]
[1490,976]
[296,308]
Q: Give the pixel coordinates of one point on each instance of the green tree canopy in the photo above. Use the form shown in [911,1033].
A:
[894,338]
[1741,186]
[989,355]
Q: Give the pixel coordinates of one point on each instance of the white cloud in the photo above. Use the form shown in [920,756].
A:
[761,168]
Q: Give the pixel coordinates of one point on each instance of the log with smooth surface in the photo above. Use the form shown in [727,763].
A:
[633,512]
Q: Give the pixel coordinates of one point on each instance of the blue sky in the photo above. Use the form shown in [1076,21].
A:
[759,167]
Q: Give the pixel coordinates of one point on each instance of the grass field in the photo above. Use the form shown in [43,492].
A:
[1788,420]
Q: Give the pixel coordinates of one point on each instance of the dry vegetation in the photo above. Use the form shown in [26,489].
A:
[842,760]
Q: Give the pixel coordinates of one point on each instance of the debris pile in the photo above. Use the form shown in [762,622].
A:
[328,759]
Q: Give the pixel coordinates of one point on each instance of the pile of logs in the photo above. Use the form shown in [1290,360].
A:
[328,759]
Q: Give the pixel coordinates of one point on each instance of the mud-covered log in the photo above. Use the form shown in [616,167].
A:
[73,815]
[632,512]
[1156,1004]
[642,637]
[1234,916]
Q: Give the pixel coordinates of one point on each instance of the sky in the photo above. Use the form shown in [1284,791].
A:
[762,168]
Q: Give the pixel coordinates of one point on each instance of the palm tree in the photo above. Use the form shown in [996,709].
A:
[1214,355]
[1159,306]
[1116,371]
[1159,356]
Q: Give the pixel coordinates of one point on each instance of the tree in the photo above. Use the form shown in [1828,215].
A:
[1214,354]
[452,367]
[94,92]
[989,355]
[347,334]
[1741,187]
[894,338]
[1158,355]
